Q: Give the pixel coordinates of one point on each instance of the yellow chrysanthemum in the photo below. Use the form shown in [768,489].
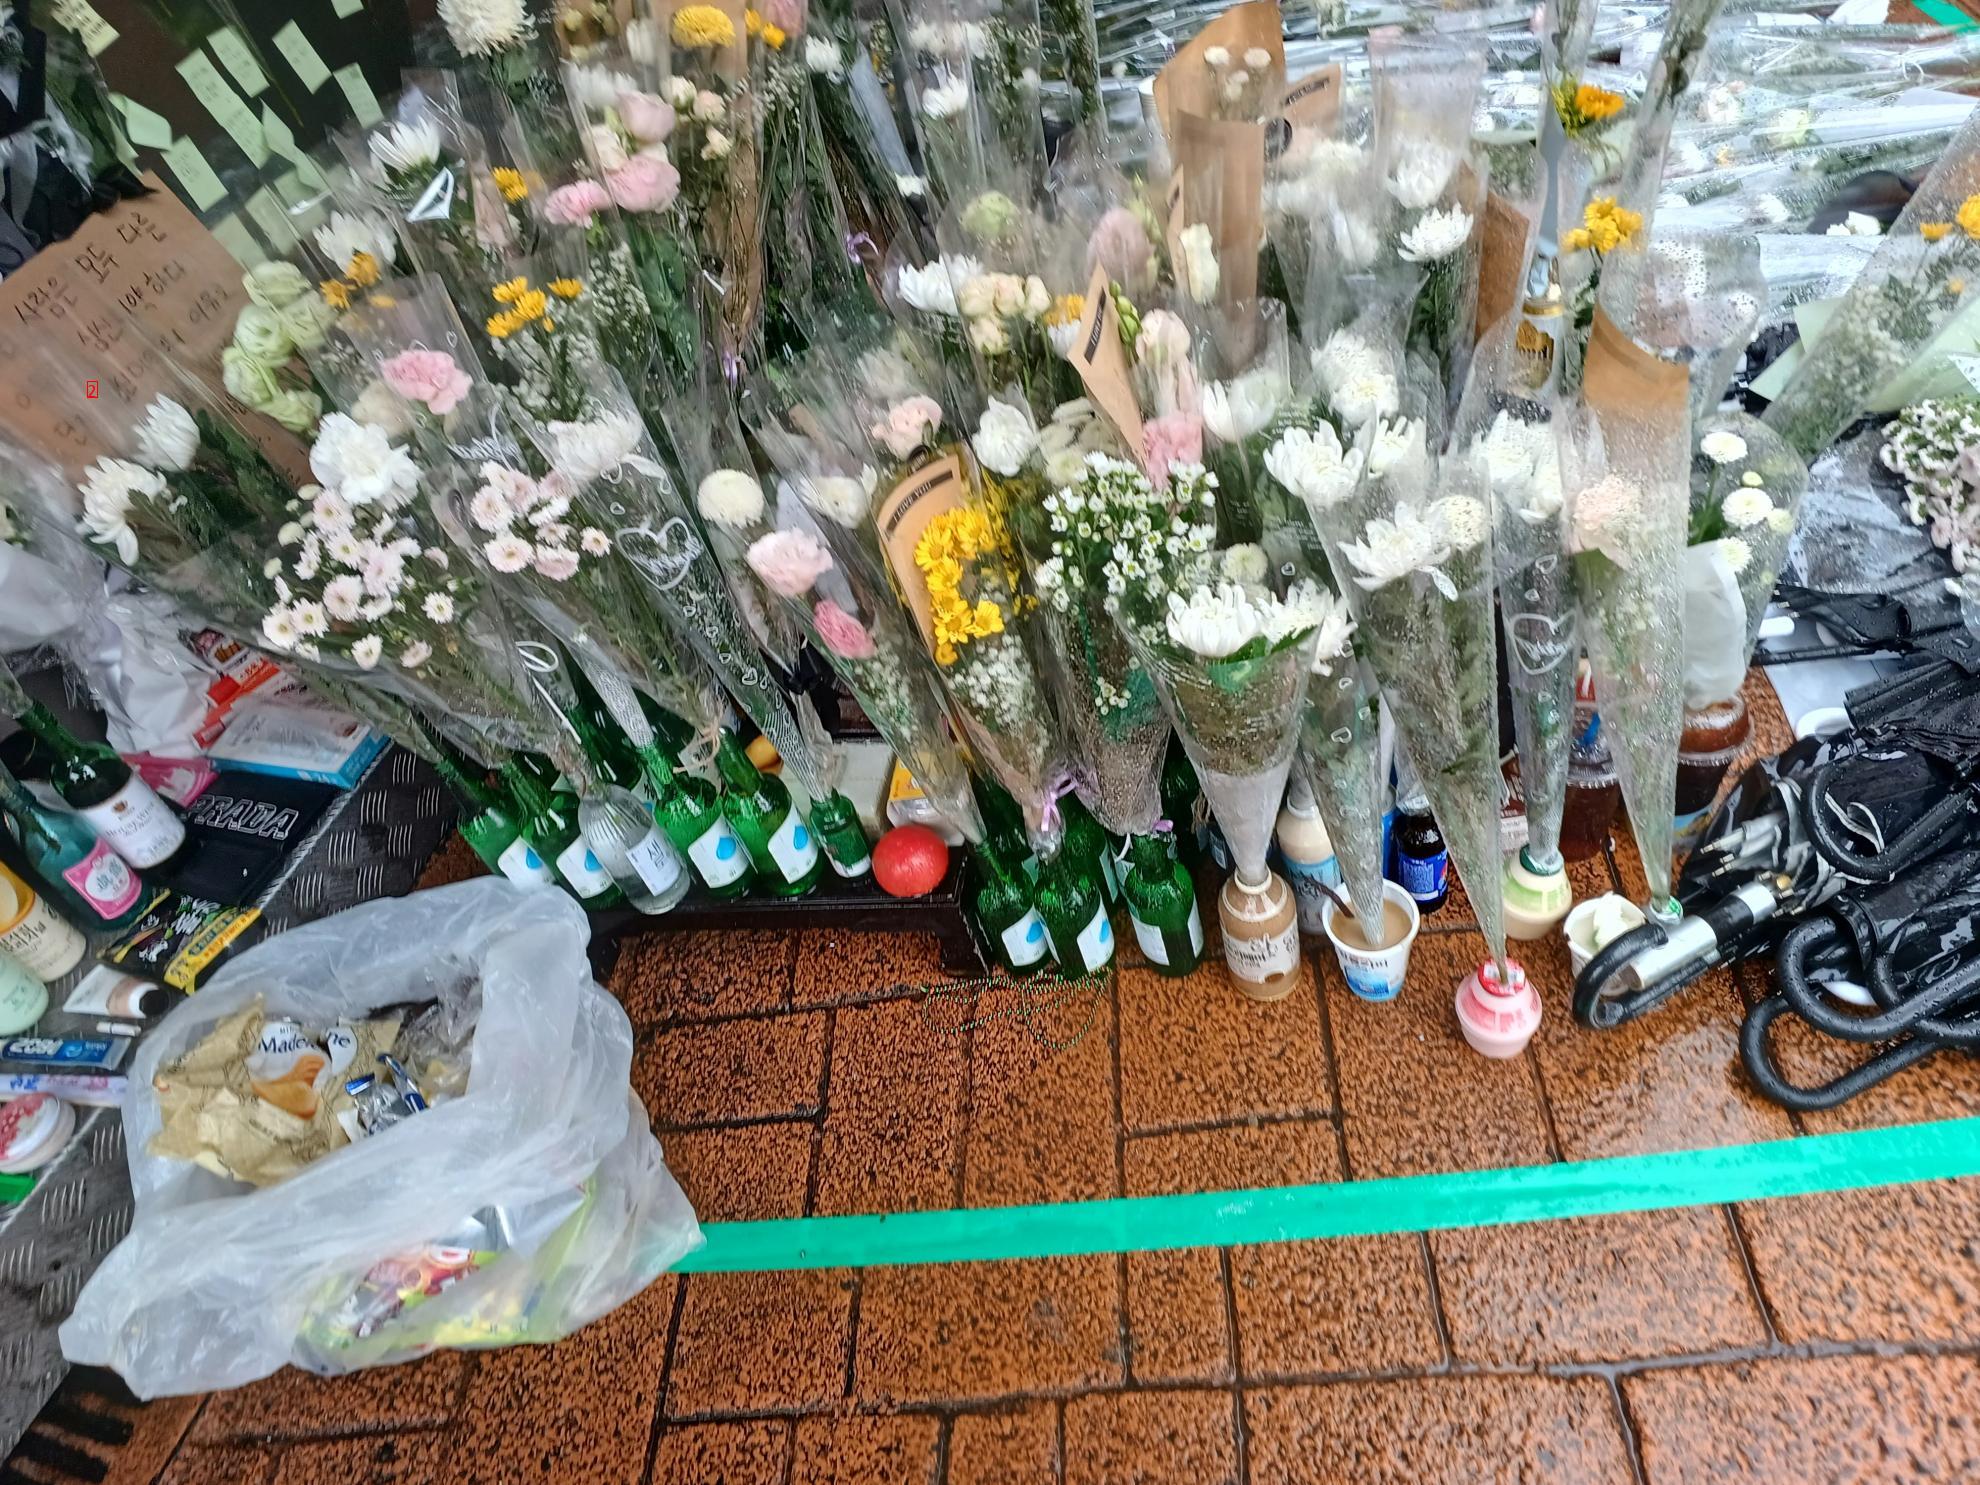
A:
[503,325]
[510,183]
[774,36]
[946,654]
[944,575]
[1933,231]
[566,288]
[533,305]
[986,619]
[1955,287]
[1578,239]
[1604,227]
[363,270]
[1969,217]
[510,292]
[384,301]
[702,26]
[336,293]
[1066,310]
[752,23]
[1595,104]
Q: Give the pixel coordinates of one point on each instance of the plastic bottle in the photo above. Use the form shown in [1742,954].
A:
[23,996]
[34,933]
[1423,863]
[1307,853]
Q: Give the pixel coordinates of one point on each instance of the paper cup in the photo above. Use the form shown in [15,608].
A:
[1375,974]
[1579,928]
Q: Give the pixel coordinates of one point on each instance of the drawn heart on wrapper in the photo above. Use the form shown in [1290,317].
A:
[1540,641]
[662,557]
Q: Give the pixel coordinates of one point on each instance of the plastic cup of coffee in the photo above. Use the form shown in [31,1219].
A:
[1375,974]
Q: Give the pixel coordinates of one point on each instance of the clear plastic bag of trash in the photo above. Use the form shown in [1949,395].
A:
[527,1207]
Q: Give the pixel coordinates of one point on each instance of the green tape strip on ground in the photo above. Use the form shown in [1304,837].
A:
[1946,14]
[1218,1219]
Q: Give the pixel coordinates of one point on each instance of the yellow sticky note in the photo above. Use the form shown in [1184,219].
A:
[82,18]
[225,105]
[238,58]
[268,213]
[282,141]
[195,176]
[296,50]
[152,131]
[237,240]
[364,102]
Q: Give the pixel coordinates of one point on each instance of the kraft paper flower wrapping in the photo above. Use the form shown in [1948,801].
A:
[250,1112]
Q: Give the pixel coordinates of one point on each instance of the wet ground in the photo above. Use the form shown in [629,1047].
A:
[1826,1338]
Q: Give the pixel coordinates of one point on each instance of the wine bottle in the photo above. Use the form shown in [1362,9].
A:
[549,823]
[1005,914]
[621,832]
[1161,901]
[67,855]
[758,806]
[1075,914]
[119,805]
[690,812]
[489,827]
[1087,842]
[836,823]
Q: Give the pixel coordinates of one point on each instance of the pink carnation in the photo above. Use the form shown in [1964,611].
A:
[645,183]
[431,378]
[1174,439]
[908,424]
[576,204]
[647,118]
[1120,244]
[844,636]
[789,562]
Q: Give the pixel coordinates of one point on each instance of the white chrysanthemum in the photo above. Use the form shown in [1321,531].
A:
[1234,410]
[357,463]
[1464,521]
[715,145]
[403,148]
[1397,450]
[508,553]
[1215,622]
[479,27]
[1218,57]
[1745,507]
[946,99]
[1005,437]
[1345,355]
[1421,174]
[439,607]
[1770,210]
[559,564]
[1398,546]
[1365,397]
[367,651]
[1736,554]
[1334,631]
[731,498]
[587,451]
[310,618]
[108,488]
[887,374]
[595,89]
[839,498]
[168,438]
[933,288]
[1435,236]
[1246,563]
[911,187]
[1722,446]
[415,654]
[347,234]
[489,510]
[342,596]
[822,56]
[594,543]
[1313,465]
[278,629]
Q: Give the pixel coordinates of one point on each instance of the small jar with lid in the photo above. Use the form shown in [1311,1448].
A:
[1594,793]
[1714,735]
[33,1131]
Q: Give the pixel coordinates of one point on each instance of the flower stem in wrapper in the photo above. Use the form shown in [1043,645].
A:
[1340,740]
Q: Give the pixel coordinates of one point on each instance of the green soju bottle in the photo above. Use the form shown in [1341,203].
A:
[1010,923]
[1087,842]
[488,824]
[688,809]
[1180,793]
[100,887]
[1074,910]
[604,744]
[549,823]
[1161,901]
[1005,822]
[836,823]
[780,844]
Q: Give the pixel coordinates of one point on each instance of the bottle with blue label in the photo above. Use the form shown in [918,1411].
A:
[1161,901]
[1010,924]
[1075,913]
[1088,843]
[758,808]
[550,831]
[1423,863]
[687,808]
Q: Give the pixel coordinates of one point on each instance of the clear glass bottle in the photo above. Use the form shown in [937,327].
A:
[1161,901]
[758,806]
[633,848]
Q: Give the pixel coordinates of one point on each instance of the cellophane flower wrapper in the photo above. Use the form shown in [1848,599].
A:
[1508,432]
[427,171]
[1244,392]
[1746,492]
[503,46]
[879,178]
[1424,91]
[1627,478]
[705,59]
[1238,716]
[1412,543]
[1325,211]
[973,70]
[1921,278]
[543,542]
[619,203]
[1340,731]
[851,614]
